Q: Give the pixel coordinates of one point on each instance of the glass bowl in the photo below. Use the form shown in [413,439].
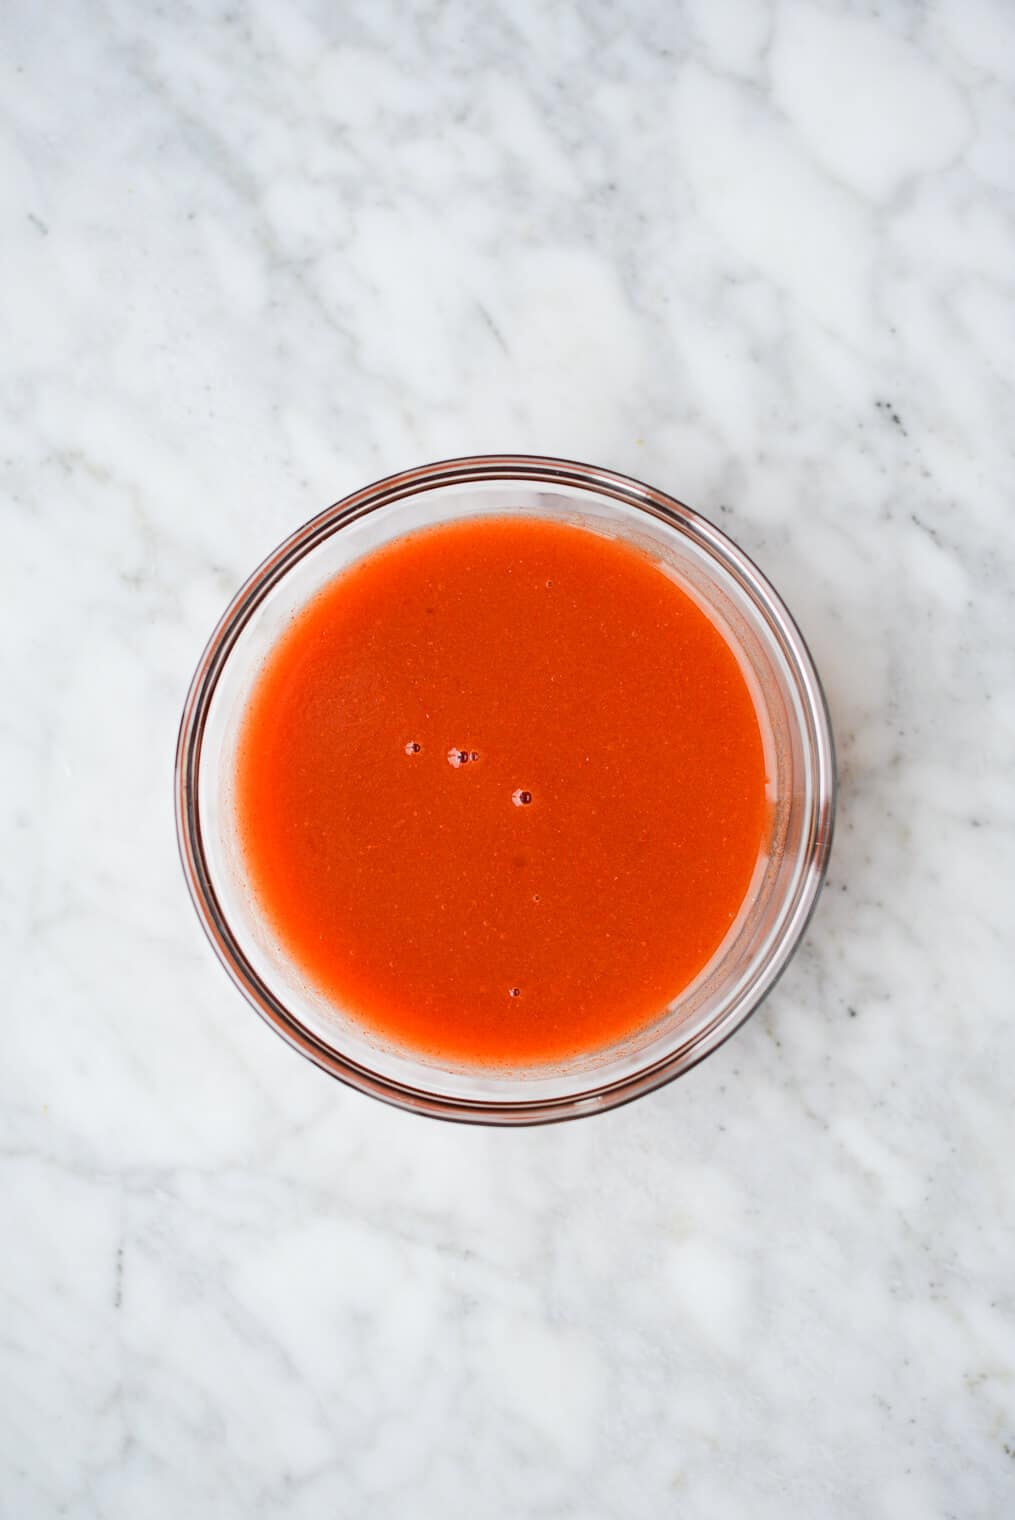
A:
[791,710]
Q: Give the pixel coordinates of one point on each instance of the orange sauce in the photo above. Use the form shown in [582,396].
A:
[501,790]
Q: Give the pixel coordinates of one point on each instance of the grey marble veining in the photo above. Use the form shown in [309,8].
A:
[760,254]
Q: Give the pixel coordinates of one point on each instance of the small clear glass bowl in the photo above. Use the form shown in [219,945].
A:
[791,709]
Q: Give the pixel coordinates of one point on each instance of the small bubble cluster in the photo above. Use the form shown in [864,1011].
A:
[458,757]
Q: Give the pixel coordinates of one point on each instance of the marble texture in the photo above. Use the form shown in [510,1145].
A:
[760,254]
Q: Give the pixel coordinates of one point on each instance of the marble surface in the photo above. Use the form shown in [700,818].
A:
[760,254]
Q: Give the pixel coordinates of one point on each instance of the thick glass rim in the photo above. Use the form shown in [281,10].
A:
[504,469]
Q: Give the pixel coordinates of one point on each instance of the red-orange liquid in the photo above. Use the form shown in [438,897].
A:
[556,888]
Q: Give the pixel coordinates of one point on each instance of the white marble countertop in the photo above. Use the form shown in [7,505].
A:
[758,254]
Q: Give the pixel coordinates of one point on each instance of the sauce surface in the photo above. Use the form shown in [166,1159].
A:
[501,790]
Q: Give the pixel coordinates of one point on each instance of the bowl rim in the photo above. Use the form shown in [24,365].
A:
[470,469]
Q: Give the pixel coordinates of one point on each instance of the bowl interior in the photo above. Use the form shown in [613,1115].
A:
[798,754]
